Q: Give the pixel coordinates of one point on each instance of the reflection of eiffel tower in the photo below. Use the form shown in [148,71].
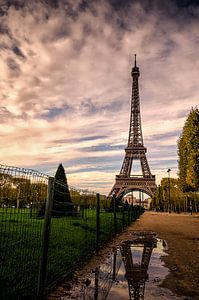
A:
[135,151]
[136,274]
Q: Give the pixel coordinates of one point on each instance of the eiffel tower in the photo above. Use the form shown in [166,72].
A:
[135,150]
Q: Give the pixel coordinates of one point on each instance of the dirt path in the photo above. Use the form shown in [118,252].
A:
[181,233]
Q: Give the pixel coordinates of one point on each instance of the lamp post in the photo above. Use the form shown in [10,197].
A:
[169,170]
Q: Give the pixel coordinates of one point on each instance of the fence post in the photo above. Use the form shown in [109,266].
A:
[114,264]
[97,222]
[96,291]
[45,239]
[114,215]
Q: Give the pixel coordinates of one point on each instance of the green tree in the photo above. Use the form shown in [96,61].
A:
[188,151]
[62,203]
[157,201]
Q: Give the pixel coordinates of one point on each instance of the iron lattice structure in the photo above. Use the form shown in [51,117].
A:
[135,150]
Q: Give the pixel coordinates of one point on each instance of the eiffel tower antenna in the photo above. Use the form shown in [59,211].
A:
[135,150]
[135,60]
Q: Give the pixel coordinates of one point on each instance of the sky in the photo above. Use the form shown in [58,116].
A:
[65,84]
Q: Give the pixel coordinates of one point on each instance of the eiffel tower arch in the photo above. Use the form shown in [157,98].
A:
[126,182]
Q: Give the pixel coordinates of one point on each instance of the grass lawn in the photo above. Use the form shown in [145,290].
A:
[72,242]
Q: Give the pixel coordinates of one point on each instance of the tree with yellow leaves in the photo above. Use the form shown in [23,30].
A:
[188,151]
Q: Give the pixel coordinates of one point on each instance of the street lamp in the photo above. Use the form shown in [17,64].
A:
[169,170]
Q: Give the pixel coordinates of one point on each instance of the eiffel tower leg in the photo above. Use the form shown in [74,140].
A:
[126,166]
[144,165]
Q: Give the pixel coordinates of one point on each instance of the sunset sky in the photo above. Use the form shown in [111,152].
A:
[65,83]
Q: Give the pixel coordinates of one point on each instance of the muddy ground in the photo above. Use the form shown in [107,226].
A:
[181,233]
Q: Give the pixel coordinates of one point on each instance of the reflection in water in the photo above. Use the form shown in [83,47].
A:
[136,272]
[135,255]
[124,274]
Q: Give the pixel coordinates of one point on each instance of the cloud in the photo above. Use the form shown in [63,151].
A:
[65,83]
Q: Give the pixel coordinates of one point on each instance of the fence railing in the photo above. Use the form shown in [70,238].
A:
[42,237]
[22,193]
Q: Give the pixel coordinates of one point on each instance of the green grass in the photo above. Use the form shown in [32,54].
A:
[72,242]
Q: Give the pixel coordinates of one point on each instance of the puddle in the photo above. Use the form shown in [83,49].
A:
[133,271]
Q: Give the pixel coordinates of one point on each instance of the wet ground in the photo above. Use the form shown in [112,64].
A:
[180,231]
[134,270]
[146,287]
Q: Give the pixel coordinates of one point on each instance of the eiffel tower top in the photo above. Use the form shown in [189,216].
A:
[135,69]
[135,130]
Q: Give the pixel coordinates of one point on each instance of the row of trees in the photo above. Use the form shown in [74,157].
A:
[20,191]
[169,196]
[182,194]
[25,191]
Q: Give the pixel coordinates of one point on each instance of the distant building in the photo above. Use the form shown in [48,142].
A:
[130,199]
[133,200]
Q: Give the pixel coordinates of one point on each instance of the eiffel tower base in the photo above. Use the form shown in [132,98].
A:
[125,184]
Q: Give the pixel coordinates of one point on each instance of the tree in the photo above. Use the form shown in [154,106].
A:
[62,203]
[177,197]
[188,151]
[158,199]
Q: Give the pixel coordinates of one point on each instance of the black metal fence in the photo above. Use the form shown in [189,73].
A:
[39,245]
[22,193]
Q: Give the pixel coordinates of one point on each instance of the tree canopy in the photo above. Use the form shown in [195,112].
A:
[61,192]
[188,151]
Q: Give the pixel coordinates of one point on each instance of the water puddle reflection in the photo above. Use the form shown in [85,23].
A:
[133,271]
